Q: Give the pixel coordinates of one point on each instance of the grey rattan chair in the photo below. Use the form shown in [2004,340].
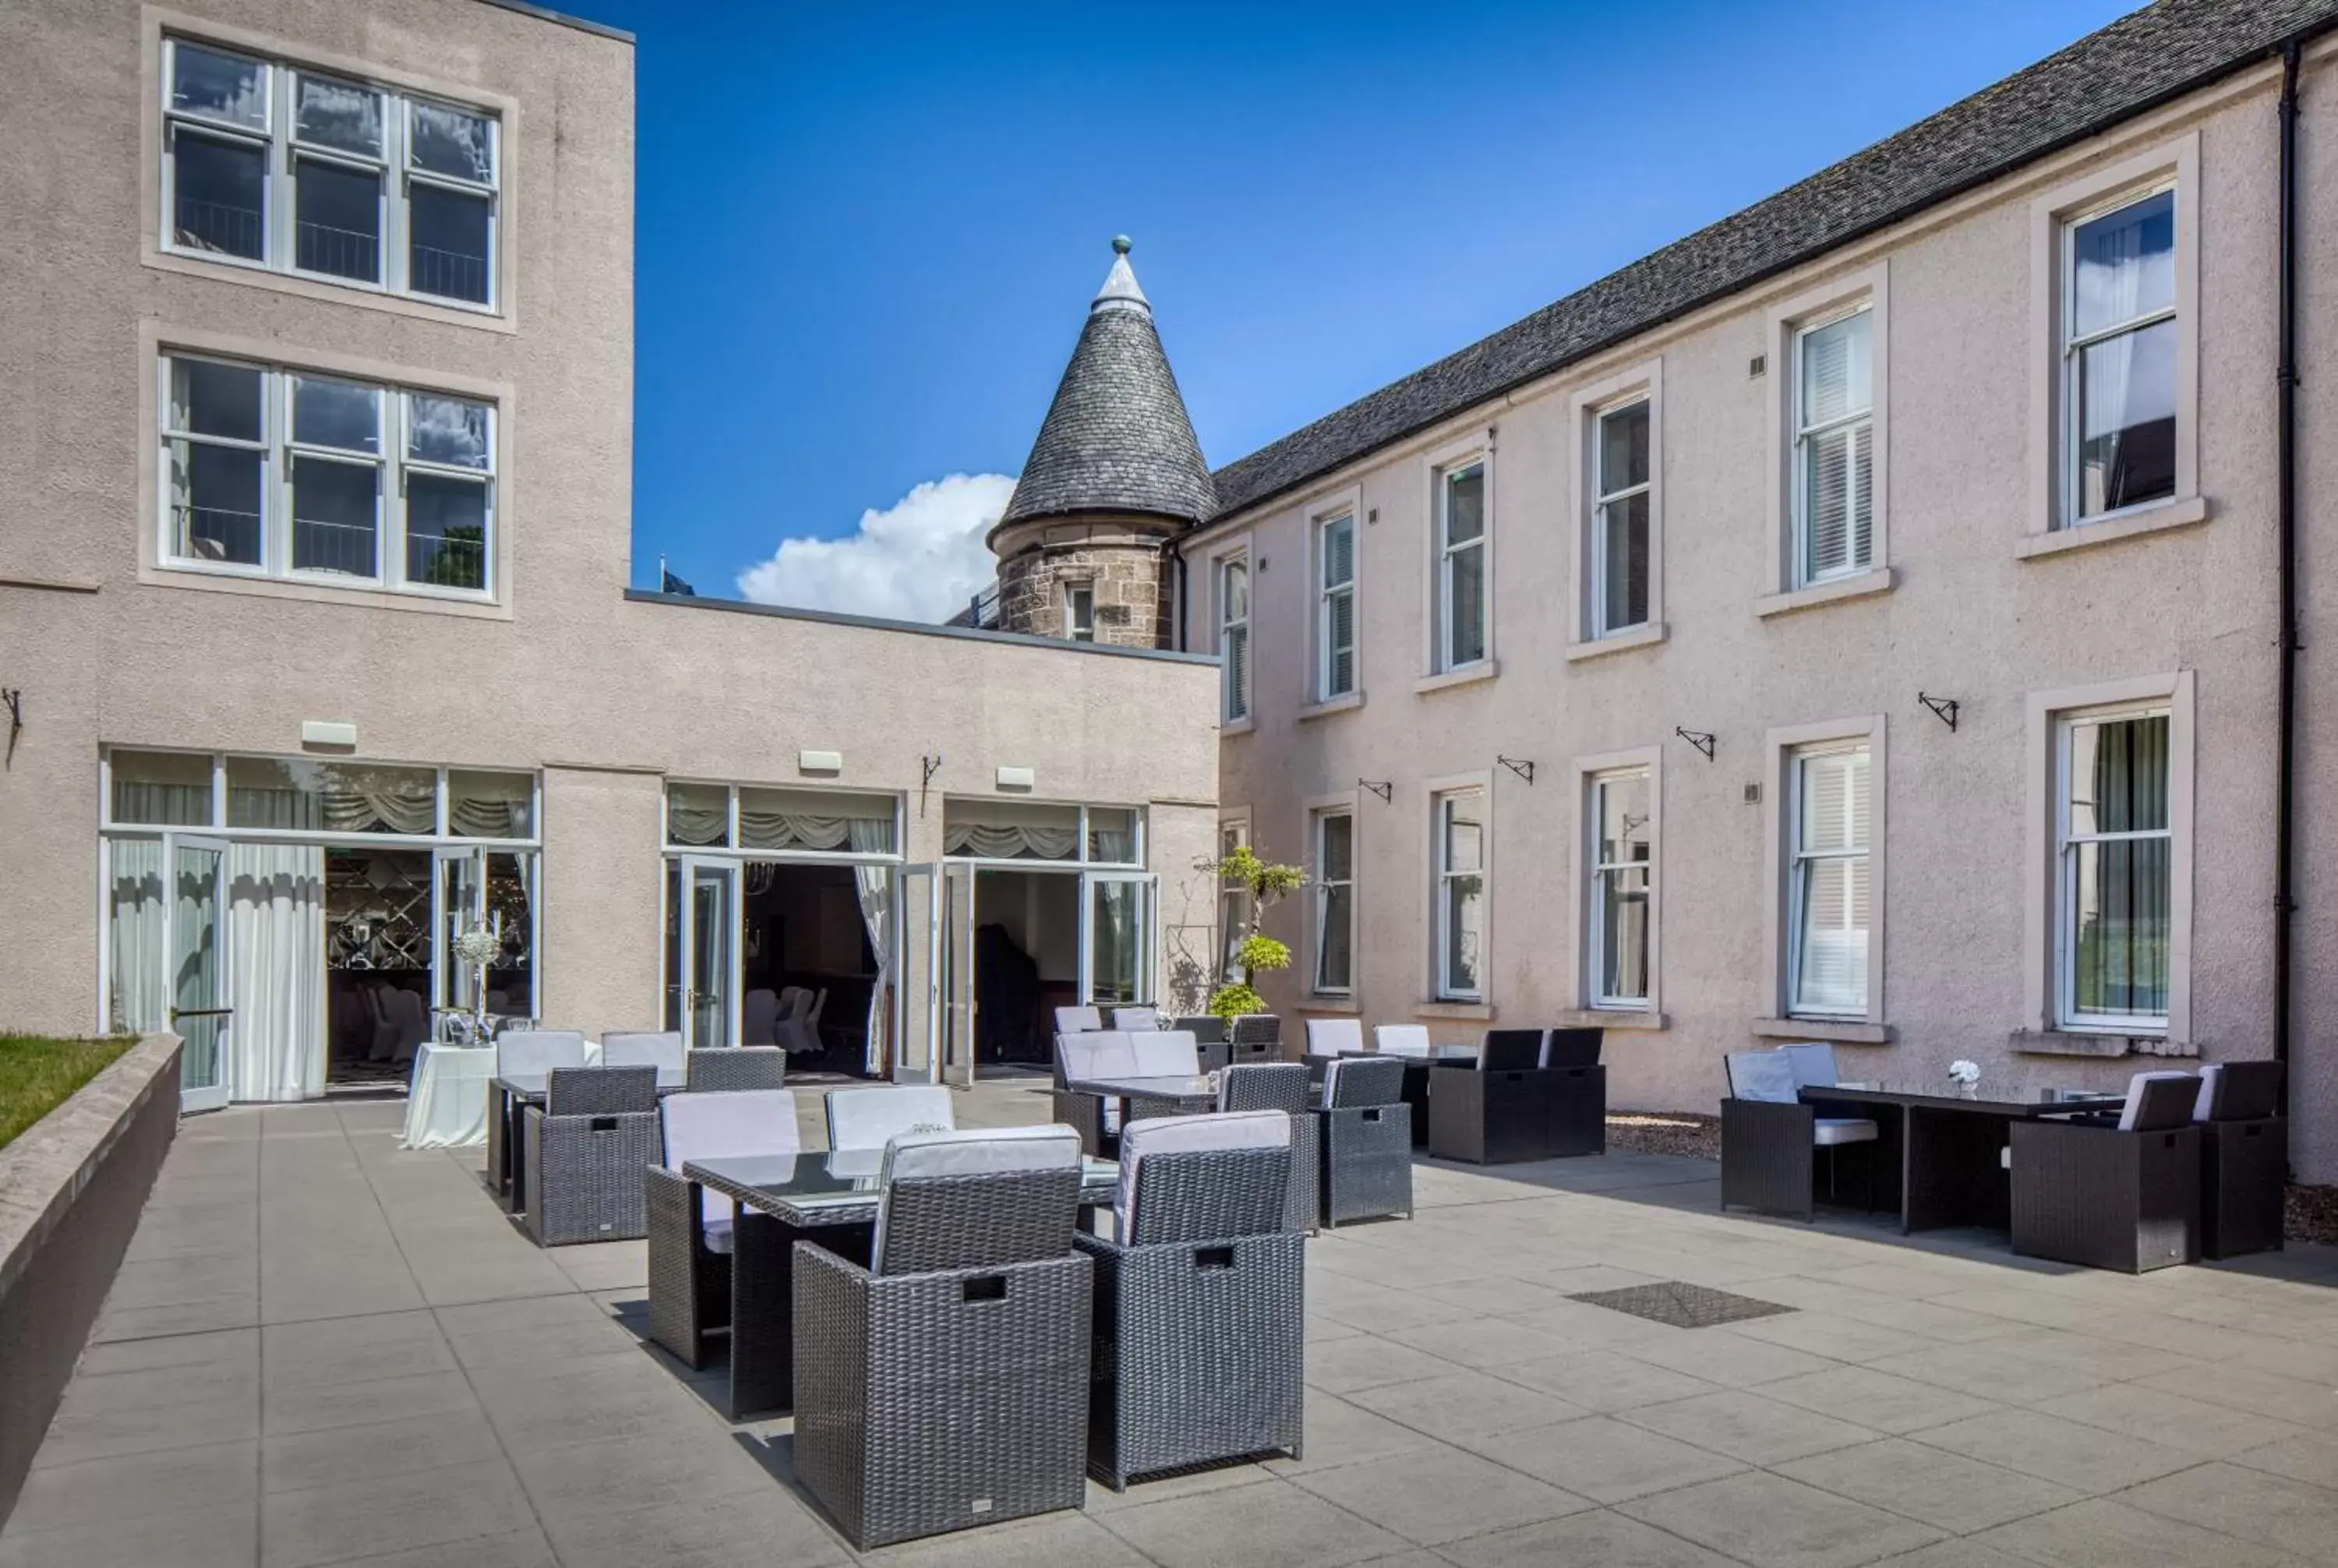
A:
[1209,1033]
[1254,1038]
[2122,1196]
[519,1051]
[738,1067]
[1089,1054]
[945,1384]
[1366,1130]
[2243,1158]
[641,1048]
[689,1243]
[1770,1139]
[1200,1302]
[584,1152]
[1283,1086]
[1578,1091]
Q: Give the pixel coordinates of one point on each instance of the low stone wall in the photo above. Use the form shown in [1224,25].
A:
[71,1190]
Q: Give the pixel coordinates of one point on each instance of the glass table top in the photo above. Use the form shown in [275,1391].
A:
[2030,1097]
[819,1177]
[1176,1087]
[533,1085]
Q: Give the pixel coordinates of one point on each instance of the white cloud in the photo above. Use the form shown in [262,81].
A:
[920,559]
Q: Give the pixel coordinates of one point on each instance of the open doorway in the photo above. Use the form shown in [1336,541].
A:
[1026,960]
[377,954]
[808,972]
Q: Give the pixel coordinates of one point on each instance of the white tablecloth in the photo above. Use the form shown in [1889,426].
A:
[447,1104]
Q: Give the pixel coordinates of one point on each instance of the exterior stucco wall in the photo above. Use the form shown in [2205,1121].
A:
[1968,619]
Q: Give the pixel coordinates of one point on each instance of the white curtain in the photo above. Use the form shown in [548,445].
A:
[875,886]
[351,805]
[275,956]
[1005,840]
[171,805]
[141,999]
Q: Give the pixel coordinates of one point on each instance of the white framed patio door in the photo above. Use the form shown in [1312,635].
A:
[1116,945]
[956,977]
[917,999]
[708,914]
[201,1010]
[458,895]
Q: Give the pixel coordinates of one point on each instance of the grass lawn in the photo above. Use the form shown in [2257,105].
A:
[37,1074]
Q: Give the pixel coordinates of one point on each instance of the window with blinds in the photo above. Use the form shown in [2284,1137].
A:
[1623,890]
[1832,906]
[1460,895]
[1834,447]
[1233,634]
[1335,628]
[2115,857]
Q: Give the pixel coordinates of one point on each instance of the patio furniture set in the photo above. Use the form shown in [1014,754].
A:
[1520,1095]
[2178,1168]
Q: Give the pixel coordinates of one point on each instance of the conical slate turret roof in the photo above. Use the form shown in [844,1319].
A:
[1117,437]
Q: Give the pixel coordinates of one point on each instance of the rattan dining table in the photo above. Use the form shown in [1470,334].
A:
[831,1197]
[1940,1153]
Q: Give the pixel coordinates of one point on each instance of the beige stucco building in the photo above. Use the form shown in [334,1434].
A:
[1859,620]
[314,537]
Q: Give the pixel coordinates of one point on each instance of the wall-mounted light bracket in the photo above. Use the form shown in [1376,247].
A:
[1385,789]
[1944,708]
[1524,769]
[13,699]
[932,764]
[1700,738]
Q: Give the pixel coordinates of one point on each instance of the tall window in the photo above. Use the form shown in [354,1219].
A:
[1079,611]
[1623,887]
[1831,906]
[2119,339]
[1335,902]
[286,474]
[1835,452]
[1335,615]
[1460,895]
[1234,901]
[1619,531]
[310,174]
[1233,634]
[1462,566]
[2115,849]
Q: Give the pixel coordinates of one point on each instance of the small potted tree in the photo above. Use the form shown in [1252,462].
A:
[1249,949]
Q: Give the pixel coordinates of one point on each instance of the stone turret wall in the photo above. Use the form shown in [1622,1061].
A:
[1121,563]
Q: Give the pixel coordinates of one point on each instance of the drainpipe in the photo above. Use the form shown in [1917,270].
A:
[1177,599]
[2285,467]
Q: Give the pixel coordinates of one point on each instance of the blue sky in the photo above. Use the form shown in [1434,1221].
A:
[865,234]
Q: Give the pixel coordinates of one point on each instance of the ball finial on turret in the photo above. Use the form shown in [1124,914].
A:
[1122,244]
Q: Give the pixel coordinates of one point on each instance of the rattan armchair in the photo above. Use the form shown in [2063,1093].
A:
[1579,1093]
[2243,1158]
[1081,1057]
[584,1150]
[2104,1195]
[945,1384]
[689,1229]
[1497,1110]
[1366,1130]
[1209,1033]
[1770,1139]
[1283,1086]
[1200,1302]
[1254,1038]
[738,1067]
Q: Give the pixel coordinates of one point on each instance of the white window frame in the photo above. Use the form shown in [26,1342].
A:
[1233,902]
[1596,778]
[2070,344]
[1789,587]
[1328,595]
[1079,627]
[1780,920]
[1591,637]
[1806,576]
[278,451]
[1482,463]
[1317,819]
[1604,495]
[282,149]
[730,848]
[1235,686]
[1443,793]
[2053,525]
[1801,860]
[2068,1017]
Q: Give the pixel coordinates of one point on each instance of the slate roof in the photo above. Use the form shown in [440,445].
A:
[2135,63]
[1117,437]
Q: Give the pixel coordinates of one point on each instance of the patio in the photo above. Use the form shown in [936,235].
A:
[324,1349]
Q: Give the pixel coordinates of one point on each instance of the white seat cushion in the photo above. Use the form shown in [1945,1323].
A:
[1185,1135]
[872,1118]
[632,1048]
[1765,1075]
[1828,1131]
[2212,1078]
[1335,1037]
[1165,1053]
[1401,1039]
[717,1232]
[2134,1106]
[1078,1020]
[537,1050]
[972,1151]
[741,1124]
[1814,1064]
[1136,1020]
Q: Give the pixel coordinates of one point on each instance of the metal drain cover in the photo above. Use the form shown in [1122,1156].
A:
[1681,1304]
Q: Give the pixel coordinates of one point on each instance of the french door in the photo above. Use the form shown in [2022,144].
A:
[957,1039]
[706,892]
[1116,944]
[917,960]
[202,1011]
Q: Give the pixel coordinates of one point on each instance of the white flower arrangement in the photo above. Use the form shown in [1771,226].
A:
[478,947]
[1966,1073]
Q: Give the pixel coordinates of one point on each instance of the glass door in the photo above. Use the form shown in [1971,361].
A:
[916,942]
[1116,917]
[457,883]
[957,973]
[201,1013]
[710,945]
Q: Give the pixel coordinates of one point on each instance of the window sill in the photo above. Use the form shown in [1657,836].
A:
[1620,642]
[1467,675]
[2084,1042]
[1242,726]
[1341,1006]
[261,587]
[1879,580]
[1480,1011]
[1330,705]
[1838,1031]
[1632,1018]
[2158,517]
[50,585]
[254,275]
